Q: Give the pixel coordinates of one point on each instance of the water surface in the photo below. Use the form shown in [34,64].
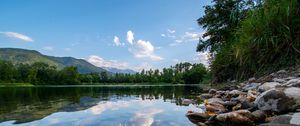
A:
[96,105]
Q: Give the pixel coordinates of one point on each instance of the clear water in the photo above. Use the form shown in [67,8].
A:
[96,106]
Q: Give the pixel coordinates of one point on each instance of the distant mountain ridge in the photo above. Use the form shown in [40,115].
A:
[116,70]
[16,56]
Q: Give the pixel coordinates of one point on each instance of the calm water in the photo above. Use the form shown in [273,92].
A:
[96,106]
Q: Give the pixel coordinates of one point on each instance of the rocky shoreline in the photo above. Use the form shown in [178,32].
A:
[272,100]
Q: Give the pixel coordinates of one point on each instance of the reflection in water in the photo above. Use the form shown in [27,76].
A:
[109,106]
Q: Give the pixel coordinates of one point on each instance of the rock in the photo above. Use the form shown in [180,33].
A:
[186,101]
[274,101]
[236,93]
[212,91]
[215,100]
[215,107]
[285,120]
[237,107]
[259,116]
[251,95]
[267,86]
[282,72]
[250,80]
[279,80]
[294,94]
[236,118]
[250,86]
[293,83]
[196,117]
[205,96]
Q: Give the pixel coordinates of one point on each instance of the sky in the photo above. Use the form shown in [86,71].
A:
[134,34]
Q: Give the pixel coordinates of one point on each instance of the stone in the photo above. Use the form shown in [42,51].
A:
[205,96]
[250,86]
[293,83]
[215,107]
[215,100]
[279,80]
[267,86]
[285,120]
[259,116]
[274,101]
[251,95]
[186,101]
[236,93]
[294,94]
[196,117]
[251,79]
[212,91]
[236,118]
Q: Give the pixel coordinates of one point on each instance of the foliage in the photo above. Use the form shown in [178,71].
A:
[266,39]
[180,73]
[220,20]
[43,74]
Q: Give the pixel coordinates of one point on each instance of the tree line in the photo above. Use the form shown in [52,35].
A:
[247,38]
[43,74]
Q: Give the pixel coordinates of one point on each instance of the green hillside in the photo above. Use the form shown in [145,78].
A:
[17,56]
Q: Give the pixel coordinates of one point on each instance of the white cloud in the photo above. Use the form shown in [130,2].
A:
[203,57]
[67,49]
[117,41]
[48,48]
[188,37]
[163,35]
[144,49]
[100,62]
[145,117]
[16,35]
[175,60]
[130,37]
[171,31]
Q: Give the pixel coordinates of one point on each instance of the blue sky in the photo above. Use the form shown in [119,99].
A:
[132,34]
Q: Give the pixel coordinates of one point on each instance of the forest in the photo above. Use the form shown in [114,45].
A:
[44,74]
[250,38]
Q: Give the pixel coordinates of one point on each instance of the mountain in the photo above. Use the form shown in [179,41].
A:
[116,70]
[16,56]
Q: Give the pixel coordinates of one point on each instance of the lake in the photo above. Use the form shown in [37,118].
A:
[97,105]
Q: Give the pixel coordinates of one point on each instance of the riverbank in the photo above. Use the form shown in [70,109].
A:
[266,101]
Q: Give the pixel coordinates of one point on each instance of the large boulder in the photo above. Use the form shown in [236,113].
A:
[274,100]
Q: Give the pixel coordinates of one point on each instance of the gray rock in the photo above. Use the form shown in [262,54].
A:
[250,86]
[285,120]
[236,93]
[294,94]
[293,83]
[279,80]
[274,101]
[267,86]
[212,91]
